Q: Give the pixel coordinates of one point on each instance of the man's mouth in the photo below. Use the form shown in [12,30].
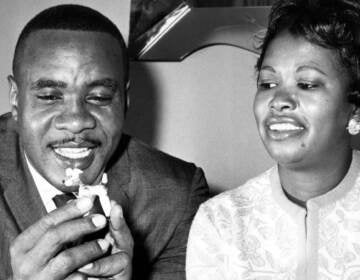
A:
[73,153]
[80,157]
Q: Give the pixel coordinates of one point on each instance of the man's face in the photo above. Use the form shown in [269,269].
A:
[69,103]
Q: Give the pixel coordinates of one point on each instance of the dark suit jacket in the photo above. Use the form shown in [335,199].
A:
[159,194]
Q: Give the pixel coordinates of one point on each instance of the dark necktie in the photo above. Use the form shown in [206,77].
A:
[62,199]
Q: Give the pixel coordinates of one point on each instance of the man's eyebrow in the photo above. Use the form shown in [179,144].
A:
[47,83]
[107,82]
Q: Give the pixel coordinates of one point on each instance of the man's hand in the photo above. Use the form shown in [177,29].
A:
[118,264]
[38,252]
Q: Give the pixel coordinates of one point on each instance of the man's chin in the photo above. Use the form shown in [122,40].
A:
[57,180]
[61,186]
[69,180]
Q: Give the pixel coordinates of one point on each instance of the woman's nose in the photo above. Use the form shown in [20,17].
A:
[75,118]
[283,100]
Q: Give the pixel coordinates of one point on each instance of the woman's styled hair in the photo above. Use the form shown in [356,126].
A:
[332,24]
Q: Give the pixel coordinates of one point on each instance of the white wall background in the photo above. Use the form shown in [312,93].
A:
[199,110]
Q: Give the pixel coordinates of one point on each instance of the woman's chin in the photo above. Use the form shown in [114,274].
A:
[287,157]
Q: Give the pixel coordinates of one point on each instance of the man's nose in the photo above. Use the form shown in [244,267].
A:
[283,100]
[75,118]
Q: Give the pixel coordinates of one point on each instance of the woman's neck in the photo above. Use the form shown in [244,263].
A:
[302,184]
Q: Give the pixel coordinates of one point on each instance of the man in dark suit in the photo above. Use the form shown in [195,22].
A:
[68,103]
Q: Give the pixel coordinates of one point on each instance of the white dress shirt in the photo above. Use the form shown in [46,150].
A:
[45,189]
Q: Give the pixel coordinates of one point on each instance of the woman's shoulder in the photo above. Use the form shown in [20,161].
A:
[250,193]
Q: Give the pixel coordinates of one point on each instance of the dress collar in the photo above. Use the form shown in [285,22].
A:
[331,196]
[345,185]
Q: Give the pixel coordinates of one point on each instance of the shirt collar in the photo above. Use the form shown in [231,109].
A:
[45,189]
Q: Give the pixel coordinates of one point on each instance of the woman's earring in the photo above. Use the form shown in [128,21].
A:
[353,126]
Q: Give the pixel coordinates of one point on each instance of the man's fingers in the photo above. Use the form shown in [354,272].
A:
[76,276]
[116,216]
[71,259]
[30,236]
[117,265]
[119,230]
[54,239]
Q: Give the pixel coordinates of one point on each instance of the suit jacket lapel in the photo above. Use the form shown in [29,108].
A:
[20,192]
[119,175]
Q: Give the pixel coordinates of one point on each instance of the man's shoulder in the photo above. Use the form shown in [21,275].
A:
[139,150]
[8,135]
[155,163]
[7,124]
[8,147]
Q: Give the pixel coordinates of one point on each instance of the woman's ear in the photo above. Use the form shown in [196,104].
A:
[356,113]
[13,96]
[353,126]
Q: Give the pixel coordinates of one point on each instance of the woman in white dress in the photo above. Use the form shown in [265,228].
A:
[301,218]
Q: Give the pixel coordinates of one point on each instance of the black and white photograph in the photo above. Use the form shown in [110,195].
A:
[180,140]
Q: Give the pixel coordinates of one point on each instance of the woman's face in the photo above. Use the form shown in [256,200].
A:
[301,106]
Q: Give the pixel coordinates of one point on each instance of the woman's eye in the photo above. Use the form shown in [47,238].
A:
[307,86]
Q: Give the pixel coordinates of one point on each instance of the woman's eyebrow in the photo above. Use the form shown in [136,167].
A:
[310,67]
[47,83]
[267,68]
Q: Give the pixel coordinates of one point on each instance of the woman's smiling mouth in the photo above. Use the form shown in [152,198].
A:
[283,128]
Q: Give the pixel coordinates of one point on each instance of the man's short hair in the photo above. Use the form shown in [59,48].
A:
[70,17]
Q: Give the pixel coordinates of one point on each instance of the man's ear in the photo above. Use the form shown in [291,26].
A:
[13,95]
[127,97]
